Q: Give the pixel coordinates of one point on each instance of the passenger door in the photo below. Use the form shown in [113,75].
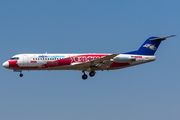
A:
[25,61]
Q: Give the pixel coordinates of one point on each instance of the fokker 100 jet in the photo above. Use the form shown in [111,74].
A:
[85,62]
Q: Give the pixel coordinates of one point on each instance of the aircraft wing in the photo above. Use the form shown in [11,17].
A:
[96,62]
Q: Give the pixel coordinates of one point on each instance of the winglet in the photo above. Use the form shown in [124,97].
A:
[162,38]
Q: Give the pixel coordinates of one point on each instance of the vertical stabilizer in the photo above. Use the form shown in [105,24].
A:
[149,47]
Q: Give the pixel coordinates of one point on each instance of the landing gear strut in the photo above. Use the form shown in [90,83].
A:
[21,75]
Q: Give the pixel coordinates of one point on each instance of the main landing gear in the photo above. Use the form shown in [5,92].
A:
[91,74]
[84,77]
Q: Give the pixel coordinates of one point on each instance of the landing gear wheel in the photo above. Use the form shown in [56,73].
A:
[21,75]
[84,77]
[92,73]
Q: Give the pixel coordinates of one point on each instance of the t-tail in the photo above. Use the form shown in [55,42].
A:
[150,46]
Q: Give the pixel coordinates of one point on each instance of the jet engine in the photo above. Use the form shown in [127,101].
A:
[124,59]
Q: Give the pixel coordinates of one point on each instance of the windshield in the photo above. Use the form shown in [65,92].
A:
[15,58]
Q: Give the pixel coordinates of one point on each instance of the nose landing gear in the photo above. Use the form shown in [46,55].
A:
[21,75]
[18,70]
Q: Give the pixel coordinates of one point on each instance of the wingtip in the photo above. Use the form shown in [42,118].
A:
[173,35]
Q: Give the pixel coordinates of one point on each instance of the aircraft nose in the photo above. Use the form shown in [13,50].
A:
[6,64]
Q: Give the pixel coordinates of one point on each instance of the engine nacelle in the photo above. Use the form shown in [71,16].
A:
[124,59]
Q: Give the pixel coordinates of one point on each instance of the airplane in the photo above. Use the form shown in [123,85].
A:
[85,62]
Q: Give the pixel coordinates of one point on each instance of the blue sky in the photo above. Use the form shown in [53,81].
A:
[148,91]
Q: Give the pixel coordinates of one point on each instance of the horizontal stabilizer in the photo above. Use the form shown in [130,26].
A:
[162,38]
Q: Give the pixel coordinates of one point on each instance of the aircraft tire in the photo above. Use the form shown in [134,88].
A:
[21,75]
[84,77]
[92,73]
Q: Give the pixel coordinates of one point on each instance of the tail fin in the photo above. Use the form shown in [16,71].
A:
[150,46]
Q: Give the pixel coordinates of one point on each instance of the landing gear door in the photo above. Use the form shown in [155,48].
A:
[25,61]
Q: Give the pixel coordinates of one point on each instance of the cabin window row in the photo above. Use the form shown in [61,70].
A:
[50,58]
[79,58]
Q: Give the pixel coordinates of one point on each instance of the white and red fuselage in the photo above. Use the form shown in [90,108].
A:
[85,62]
[70,61]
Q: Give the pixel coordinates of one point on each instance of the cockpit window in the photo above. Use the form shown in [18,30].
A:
[15,58]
